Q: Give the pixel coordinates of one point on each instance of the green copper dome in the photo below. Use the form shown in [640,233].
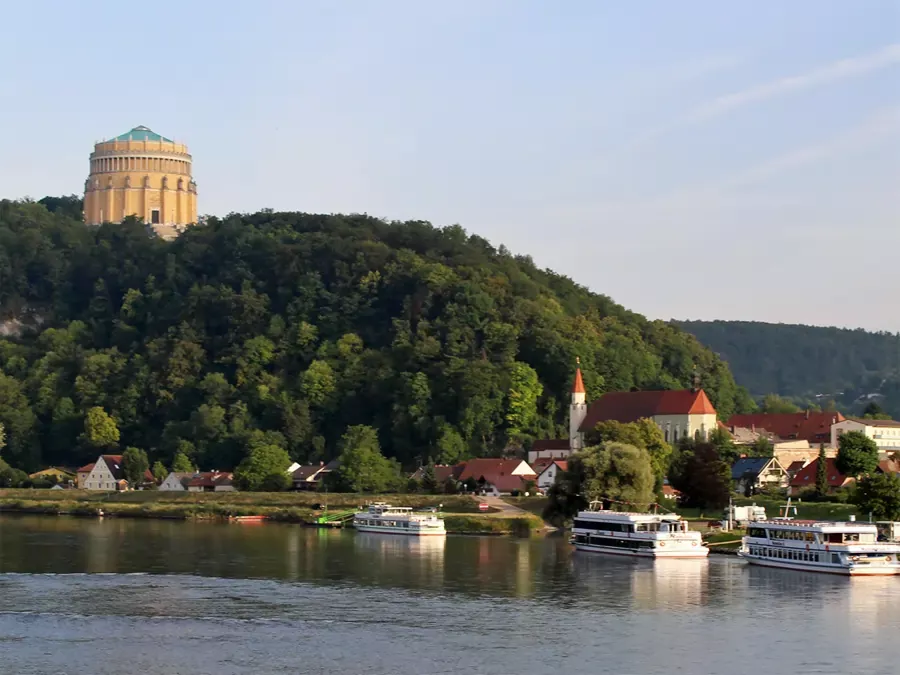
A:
[142,133]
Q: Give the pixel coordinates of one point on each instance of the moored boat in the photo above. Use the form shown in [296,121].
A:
[388,519]
[850,549]
[644,535]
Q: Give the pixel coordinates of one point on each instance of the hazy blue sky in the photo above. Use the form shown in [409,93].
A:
[736,160]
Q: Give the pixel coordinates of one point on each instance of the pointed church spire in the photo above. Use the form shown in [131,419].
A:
[578,385]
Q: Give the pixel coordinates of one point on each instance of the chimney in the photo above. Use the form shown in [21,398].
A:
[753,428]
[807,413]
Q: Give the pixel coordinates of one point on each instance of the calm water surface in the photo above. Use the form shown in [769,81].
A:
[153,597]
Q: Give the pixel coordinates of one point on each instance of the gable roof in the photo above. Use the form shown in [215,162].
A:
[481,467]
[142,133]
[749,465]
[889,466]
[630,406]
[114,464]
[561,464]
[209,479]
[87,468]
[807,475]
[814,427]
[307,472]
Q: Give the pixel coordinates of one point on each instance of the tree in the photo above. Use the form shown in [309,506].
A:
[159,471]
[362,466]
[701,476]
[262,467]
[857,454]
[135,464]
[619,475]
[822,472]
[873,411]
[879,494]
[644,434]
[100,430]
[451,446]
[181,464]
[722,441]
[773,403]
[524,391]
[429,480]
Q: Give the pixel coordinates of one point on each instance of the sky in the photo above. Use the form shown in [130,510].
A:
[692,160]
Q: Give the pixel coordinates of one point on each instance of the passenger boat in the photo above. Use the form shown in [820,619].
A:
[644,535]
[850,548]
[389,519]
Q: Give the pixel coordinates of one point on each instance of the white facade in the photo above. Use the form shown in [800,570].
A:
[678,427]
[100,477]
[548,476]
[173,482]
[885,433]
[577,413]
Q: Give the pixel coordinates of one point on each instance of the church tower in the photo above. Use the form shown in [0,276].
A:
[577,410]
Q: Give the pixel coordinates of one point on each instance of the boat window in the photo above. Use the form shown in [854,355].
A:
[851,536]
[867,538]
[757,532]
[835,558]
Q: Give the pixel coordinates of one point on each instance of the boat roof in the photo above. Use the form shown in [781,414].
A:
[819,526]
[625,516]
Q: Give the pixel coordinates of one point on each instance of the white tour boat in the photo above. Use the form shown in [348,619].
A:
[645,535]
[839,548]
[389,519]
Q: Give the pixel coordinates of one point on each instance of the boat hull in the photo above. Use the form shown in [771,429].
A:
[854,571]
[699,552]
[402,531]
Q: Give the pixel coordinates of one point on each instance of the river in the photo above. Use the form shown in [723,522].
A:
[120,596]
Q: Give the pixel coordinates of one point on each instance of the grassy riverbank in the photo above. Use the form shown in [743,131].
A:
[461,512]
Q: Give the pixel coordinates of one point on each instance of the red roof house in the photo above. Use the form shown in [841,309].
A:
[497,476]
[814,427]
[806,477]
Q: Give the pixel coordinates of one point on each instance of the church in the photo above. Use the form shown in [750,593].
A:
[685,413]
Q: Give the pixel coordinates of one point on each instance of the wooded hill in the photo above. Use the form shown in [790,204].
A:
[286,328]
[803,362]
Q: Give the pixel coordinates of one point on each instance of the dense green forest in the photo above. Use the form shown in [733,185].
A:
[289,328]
[805,362]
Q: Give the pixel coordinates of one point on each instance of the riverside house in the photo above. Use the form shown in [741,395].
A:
[107,474]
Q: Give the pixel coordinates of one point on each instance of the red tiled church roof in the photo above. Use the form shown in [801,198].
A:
[814,427]
[630,406]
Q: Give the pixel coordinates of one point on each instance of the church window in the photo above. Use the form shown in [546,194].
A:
[154,217]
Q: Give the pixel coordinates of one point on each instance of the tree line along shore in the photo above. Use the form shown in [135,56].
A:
[461,513]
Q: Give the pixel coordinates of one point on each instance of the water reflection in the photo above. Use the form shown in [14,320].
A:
[659,584]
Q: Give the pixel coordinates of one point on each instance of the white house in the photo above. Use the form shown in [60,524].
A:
[106,474]
[176,481]
[548,475]
[885,433]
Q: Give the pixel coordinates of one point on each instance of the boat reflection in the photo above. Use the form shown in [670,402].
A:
[653,584]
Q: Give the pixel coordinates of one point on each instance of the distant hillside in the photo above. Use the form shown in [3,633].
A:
[803,362]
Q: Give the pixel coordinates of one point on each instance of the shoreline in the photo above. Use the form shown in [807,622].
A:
[223,510]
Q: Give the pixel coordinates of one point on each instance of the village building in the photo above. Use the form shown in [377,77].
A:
[310,476]
[54,472]
[685,413]
[885,433]
[548,471]
[107,474]
[211,481]
[176,481]
[81,475]
[750,475]
[495,477]
[806,477]
[809,426]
